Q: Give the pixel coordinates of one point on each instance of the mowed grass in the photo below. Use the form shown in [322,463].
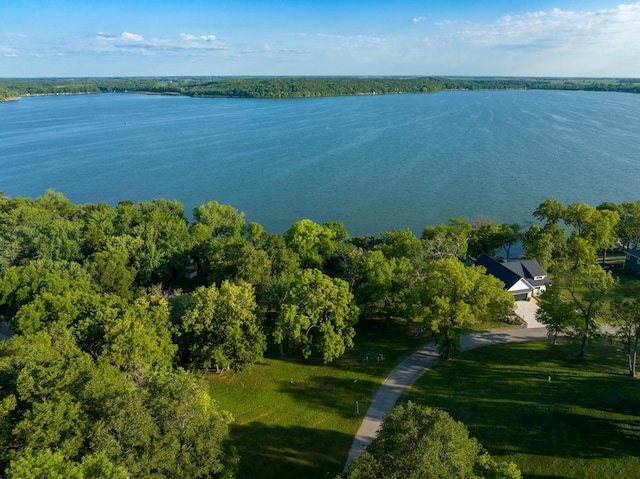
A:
[296,418]
[584,424]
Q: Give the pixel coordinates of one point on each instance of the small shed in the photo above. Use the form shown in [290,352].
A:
[191,271]
[632,260]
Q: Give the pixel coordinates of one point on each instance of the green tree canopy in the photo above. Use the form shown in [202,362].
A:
[220,327]
[629,225]
[382,287]
[111,272]
[313,243]
[402,244]
[555,313]
[223,221]
[587,286]
[548,246]
[317,314]
[21,284]
[550,210]
[625,315]
[62,414]
[452,295]
[416,442]
[138,339]
[447,241]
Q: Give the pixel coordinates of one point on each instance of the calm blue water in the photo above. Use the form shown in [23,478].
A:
[373,162]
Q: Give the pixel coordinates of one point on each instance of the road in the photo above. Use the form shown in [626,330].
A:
[412,367]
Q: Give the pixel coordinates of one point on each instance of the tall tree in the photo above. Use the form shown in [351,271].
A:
[238,259]
[40,376]
[578,216]
[597,227]
[21,284]
[550,210]
[628,228]
[317,314]
[547,245]
[587,285]
[416,442]
[447,241]
[580,252]
[625,314]
[602,230]
[223,221]
[402,244]
[452,296]
[111,272]
[509,235]
[485,237]
[139,339]
[313,243]
[192,428]
[555,313]
[383,285]
[220,327]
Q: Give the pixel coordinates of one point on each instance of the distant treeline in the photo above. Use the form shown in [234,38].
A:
[297,87]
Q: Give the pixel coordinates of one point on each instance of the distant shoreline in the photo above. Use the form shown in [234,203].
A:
[298,87]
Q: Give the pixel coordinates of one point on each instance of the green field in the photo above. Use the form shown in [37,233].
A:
[584,424]
[296,417]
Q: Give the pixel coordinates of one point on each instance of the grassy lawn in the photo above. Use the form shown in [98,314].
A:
[296,417]
[584,424]
[628,284]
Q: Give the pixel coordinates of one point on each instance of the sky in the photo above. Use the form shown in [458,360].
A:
[567,38]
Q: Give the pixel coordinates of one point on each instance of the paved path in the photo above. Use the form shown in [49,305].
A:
[405,374]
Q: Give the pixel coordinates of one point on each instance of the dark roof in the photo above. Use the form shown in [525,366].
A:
[633,252]
[511,272]
[528,269]
[494,268]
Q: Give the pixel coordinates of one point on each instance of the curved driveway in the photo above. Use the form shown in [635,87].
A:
[412,367]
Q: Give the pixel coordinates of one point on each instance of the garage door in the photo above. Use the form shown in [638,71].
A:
[521,297]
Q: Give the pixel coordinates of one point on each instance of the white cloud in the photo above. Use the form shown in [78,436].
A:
[131,37]
[564,29]
[420,19]
[604,42]
[124,37]
[194,38]
[351,38]
[8,51]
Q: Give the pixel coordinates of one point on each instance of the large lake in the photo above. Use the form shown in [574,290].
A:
[373,162]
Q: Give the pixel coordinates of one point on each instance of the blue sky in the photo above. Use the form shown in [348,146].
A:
[41,38]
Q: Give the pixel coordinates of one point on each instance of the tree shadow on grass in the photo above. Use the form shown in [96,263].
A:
[560,434]
[281,452]
[504,396]
[332,394]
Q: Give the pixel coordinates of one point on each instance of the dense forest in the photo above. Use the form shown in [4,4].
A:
[115,311]
[297,87]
